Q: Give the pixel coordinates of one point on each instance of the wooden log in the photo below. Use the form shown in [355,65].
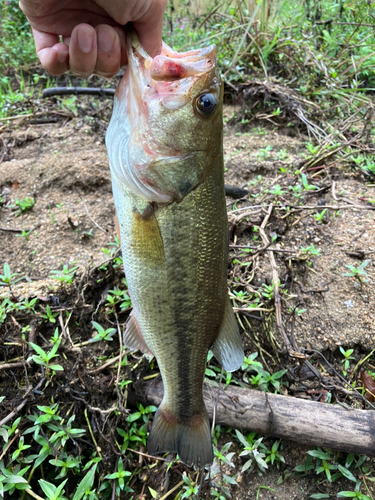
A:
[307,422]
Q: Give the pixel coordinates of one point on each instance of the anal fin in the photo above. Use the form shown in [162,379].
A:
[133,338]
[227,348]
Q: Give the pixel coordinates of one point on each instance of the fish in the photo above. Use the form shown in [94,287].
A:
[165,150]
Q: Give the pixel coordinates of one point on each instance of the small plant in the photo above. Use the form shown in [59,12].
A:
[190,489]
[251,448]
[312,149]
[263,153]
[50,316]
[117,296]
[120,476]
[354,494]
[102,334]
[51,491]
[277,191]
[142,413]
[7,279]
[23,205]
[311,250]
[24,234]
[282,154]
[66,275]
[306,185]
[273,455]
[347,357]
[43,358]
[356,272]
[320,216]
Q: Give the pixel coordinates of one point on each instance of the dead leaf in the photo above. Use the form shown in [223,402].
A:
[369,385]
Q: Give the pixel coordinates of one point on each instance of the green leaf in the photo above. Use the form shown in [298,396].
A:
[13,479]
[134,416]
[345,472]
[154,493]
[38,349]
[56,368]
[319,454]
[320,495]
[4,434]
[242,438]
[350,494]
[48,488]
[86,483]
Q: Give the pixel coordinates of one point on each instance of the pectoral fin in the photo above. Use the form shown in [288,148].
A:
[146,238]
[133,338]
[227,348]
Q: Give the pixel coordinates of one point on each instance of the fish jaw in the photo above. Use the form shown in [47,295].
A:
[155,124]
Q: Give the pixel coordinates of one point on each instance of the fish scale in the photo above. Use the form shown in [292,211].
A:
[174,236]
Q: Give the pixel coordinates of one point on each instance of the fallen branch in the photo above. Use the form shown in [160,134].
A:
[308,422]
[78,91]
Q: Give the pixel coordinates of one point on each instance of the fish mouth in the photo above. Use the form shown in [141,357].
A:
[143,157]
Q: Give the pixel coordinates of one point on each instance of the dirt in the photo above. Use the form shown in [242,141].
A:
[64,166]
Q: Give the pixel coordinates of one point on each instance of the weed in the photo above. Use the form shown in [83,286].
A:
[306,185]
[50,316]
[263,153]
[189,487]
[120,477]
[102,334]
[311,250]
[277,191]
[356,272]
[320,216]
[23,205]
[347,357]
[251,448]
[24,234]
[43,358]
[66,275]
[8,278]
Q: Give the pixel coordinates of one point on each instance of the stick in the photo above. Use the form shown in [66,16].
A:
[308,422]
[78,91]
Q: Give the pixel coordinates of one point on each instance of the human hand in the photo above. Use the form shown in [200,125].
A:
[92,32]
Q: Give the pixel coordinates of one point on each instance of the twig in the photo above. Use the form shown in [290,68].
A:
[10,230]
[16,117]
[268,249]
[98,449]
[120,342]
[92,220]
[22,404]
[8,446]
[31,493]
[98,369]
[172,490]
[147,456]
[78,91]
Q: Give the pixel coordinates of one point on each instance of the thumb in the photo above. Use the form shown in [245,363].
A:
[149,27]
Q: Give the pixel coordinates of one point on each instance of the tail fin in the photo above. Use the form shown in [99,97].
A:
[190,439]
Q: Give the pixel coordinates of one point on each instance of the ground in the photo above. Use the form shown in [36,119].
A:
[64,167]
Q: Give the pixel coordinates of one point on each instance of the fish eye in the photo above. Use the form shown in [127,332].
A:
[206,104]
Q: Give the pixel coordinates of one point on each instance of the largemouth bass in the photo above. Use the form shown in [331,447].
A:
[164,144]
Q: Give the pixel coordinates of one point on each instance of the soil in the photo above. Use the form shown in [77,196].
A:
[64,166]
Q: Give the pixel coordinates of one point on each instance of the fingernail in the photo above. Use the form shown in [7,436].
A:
[106,38]
[85,41]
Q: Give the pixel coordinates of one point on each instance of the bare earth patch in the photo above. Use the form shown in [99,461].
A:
[65,168]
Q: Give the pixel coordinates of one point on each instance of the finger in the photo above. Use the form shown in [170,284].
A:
[149,28]
[83,50]
[54,56]
[109,51]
